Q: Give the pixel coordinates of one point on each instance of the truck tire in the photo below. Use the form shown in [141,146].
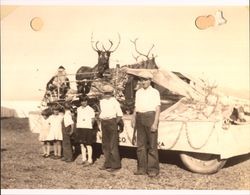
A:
[202,163]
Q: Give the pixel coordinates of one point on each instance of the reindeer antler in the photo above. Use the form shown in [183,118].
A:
[135,57]
[145,55]
[96,44]
[119,36]
[150,49]
[111,45]
[103,47]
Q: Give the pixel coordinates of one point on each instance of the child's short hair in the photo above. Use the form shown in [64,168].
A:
[46,112]
[108,89]
[84,99]
[57,108]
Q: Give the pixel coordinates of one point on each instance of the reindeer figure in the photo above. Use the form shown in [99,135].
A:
[132,83]
[149,63]
[85,74]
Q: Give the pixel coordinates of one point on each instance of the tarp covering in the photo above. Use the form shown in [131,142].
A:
[170,81]
[200,102]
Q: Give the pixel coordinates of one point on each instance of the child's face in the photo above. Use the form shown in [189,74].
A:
[145,82]
[84,103]
[56,112]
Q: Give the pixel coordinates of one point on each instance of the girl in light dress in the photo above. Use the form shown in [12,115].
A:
[55,133]
[43,137]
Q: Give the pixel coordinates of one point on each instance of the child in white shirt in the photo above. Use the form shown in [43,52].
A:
[110,115]
[84,131]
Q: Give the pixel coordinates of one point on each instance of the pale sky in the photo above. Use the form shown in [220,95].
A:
[29,58]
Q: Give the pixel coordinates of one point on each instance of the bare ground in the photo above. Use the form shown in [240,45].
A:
[22,167]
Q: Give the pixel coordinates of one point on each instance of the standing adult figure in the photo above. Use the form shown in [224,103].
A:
[145,120]
[111,114]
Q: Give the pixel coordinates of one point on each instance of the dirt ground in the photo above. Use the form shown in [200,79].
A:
[22,167]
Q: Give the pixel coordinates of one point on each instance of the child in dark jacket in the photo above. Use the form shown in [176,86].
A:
[67,130]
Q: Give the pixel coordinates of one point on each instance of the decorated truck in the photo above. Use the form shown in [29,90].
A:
[203,125]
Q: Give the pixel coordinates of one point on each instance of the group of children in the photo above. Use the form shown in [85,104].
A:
[59,127]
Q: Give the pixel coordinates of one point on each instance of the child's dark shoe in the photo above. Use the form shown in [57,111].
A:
[113,169]
[87,164]
[57,157]
[47,156]
[44,155]
[103,168]
[80,162]
[63,159]
[68,160]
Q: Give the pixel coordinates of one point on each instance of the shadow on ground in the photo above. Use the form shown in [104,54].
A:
[237,160]
[166,157]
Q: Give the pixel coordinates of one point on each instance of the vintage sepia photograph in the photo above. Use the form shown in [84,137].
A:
[125,97]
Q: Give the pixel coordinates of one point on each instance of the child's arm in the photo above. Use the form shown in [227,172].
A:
[134,136]
[133,121]
[71,129]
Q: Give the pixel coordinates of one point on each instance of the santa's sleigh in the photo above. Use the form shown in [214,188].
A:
[58,94]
